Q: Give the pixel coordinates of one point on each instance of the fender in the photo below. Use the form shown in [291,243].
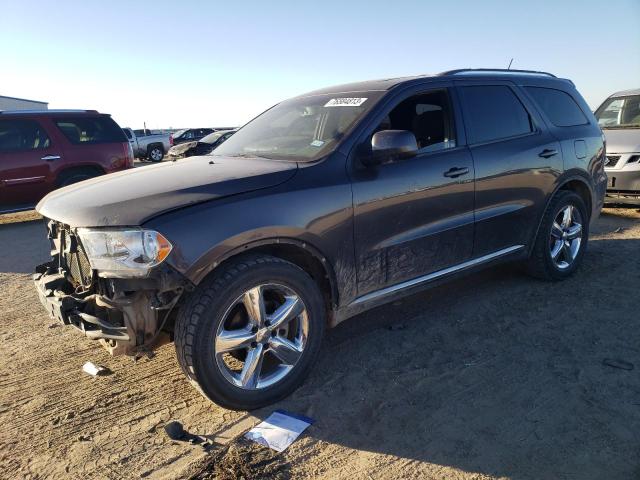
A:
[565,178]
[223,252]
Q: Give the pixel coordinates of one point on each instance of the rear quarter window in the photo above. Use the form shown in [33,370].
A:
[559,107]
[494,112]
[90,130]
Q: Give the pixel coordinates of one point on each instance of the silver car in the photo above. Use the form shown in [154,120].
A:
[619,118]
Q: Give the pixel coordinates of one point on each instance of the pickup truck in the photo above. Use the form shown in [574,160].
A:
[151,146]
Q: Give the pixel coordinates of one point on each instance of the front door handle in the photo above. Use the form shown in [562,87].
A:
[51,158]
[456,172]
[547,153]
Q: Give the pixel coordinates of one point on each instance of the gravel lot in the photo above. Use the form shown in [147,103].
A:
[493,376]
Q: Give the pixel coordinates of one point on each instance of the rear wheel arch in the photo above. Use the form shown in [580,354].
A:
[581,187]
[576,182]
[66,176]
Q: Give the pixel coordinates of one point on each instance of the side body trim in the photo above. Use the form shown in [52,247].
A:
[432,276]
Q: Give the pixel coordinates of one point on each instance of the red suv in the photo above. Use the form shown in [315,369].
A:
[45,150]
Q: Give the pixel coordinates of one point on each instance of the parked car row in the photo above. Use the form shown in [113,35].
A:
[44,150]
[203,146]
[154,146]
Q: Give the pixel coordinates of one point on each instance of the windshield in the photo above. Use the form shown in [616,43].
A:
[212,137]
[301,129]
[179,133]
[620,112]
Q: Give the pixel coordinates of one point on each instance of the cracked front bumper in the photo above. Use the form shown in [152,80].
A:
[128,321]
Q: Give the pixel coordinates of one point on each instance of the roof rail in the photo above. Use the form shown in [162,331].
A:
[496,70]
[19,112]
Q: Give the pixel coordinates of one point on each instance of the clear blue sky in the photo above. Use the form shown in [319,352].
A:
[189,63]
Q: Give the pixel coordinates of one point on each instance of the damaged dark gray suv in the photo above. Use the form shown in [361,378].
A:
[324,206]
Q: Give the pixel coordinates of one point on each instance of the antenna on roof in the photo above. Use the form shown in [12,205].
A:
[509,67]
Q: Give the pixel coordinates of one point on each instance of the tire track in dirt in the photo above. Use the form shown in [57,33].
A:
[484,378]
[59,421]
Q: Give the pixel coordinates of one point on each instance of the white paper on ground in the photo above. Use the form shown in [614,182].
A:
[92,369]
[279,430]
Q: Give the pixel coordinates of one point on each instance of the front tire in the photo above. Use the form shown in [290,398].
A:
[562,238]
[248,335]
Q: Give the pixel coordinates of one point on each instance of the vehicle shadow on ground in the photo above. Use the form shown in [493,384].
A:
[495,373]
[23,245]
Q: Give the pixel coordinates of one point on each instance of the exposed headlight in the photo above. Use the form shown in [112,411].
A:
[124,253]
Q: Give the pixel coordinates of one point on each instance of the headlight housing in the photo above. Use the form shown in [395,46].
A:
[128,252]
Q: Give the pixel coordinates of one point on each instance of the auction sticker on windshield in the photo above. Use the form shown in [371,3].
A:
[345,102]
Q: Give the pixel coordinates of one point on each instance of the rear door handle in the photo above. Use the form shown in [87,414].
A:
[547,153]
[51,158]
[456,172]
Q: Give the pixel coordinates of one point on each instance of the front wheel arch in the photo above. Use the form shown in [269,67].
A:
[302,254]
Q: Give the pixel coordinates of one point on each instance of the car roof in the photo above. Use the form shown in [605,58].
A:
[44,113]
[467,73]
[626,93]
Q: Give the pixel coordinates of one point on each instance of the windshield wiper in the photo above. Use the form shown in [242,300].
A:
[613,127]
[236,155]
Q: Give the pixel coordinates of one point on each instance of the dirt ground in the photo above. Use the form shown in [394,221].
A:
[493,376]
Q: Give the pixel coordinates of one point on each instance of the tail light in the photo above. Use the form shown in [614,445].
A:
[171,139]
[128,155]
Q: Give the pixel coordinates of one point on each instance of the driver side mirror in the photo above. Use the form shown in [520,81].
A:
[387,145]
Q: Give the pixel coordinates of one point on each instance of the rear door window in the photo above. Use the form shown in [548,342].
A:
[494,112]
[22,135]
[558,106]
[90,130]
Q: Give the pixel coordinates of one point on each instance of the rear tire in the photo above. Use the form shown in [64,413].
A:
[207,322]
[559,248]
[155,153]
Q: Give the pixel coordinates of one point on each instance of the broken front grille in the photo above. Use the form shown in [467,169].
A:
[71,255]
[612,160]
[76,260]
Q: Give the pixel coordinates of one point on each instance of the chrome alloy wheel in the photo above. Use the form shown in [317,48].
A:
[566,237]
[262,336]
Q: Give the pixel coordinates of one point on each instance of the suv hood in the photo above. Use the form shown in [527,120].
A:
[622,140]
[134,196]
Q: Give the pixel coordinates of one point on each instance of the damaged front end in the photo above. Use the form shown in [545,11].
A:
[130,316]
